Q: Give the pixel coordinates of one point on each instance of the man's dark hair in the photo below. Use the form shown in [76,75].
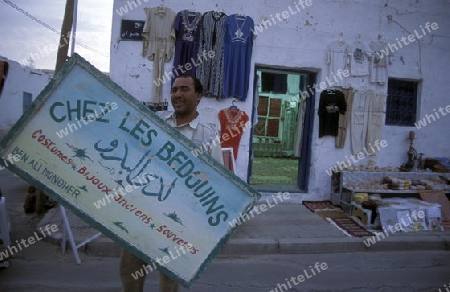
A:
[197,84]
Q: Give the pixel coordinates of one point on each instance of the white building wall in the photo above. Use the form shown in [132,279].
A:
[299,42]
[20,79]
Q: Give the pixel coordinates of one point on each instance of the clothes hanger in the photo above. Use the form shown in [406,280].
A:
[363,85]
[234,109]
[192,11]
[340,39]
[241,14]
[162,7]
[219,10]
[358,39]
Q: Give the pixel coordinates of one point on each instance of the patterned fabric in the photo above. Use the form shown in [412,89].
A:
[232,126]
[350,227]
[187,35]
[210,71]
[315,206]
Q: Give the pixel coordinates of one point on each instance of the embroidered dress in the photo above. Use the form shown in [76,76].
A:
[237,55]
[159,39]
[187,33]
[232,126]
[210,71]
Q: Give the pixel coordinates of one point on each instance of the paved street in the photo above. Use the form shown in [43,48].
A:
[404,262]
[360,271]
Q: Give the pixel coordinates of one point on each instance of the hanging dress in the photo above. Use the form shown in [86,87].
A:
[232,126]
[187,35]
[159,39]
[210,71]
[237,55]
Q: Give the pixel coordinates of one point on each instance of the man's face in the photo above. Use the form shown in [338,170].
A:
[183,96]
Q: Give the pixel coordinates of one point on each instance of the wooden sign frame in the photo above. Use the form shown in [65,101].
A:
[161,200]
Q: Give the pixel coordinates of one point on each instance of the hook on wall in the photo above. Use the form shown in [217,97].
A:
[241,11]
[341,39]
[162,6]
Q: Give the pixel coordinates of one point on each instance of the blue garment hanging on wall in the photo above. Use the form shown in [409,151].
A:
[237,55]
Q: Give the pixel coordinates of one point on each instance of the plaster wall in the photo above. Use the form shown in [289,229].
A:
[20,79]
[298,41]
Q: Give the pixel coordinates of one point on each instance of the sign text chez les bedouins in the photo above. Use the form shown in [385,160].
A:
[94,148]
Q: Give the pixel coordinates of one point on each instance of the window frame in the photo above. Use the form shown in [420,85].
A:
[411,90]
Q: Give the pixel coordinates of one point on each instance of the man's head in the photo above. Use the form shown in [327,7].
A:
[185,95]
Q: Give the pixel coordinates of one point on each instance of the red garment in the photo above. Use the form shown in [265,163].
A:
[232,126]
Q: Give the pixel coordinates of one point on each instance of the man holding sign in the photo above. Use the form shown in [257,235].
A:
[178,200]
[185,96]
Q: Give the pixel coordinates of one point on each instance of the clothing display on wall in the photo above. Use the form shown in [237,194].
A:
[212,46]
[337,61]
[344,120]
[331,105]
[375,120]
[237,55]
[232,125]
[378,63]
[359,59]
[210,71]
[359,119]
[187,40]
[158,43]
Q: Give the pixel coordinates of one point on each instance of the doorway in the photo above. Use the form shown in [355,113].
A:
[281,137]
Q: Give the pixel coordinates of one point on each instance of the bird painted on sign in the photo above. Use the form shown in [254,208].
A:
[174,217]
[165,250]
[120,225]
[79,153]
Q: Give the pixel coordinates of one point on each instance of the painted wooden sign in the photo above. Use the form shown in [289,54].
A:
[90,145]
